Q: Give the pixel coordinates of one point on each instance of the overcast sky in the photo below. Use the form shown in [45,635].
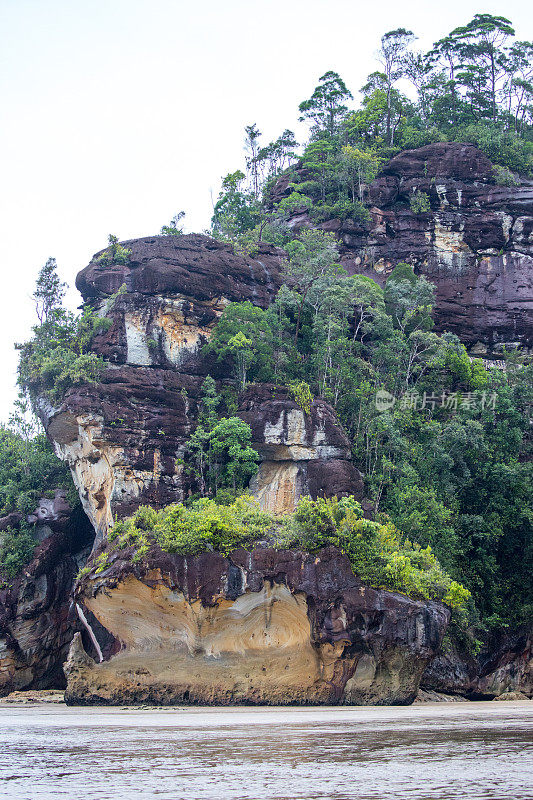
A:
[119,113]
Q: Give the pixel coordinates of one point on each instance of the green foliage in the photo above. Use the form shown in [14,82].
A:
[29,469]
[341,209]
[174,228]
[378,553]
[504,177]
[219,454]
[205,525]
[301,394]
[449,460]
[115,253]
[58,355]
[16,550]
[101,562]
[504,148]
[243,336]
[409,299]
[236,210]
[326,106]
[419,202]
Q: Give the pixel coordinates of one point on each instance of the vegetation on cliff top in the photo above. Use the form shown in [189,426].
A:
[379,554]
[474,85]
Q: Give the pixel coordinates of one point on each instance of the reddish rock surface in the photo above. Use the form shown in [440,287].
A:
[196,266]
[125,437]
[475,244]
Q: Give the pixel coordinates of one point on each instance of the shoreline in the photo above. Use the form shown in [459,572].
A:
[51,699]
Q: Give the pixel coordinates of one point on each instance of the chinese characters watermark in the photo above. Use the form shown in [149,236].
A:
[452,401]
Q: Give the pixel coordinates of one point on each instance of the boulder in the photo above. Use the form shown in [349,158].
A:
[256,627]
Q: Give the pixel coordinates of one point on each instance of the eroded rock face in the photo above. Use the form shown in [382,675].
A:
[175,288]
[37,620]
[302,453]
[125,438]
[475,245]
[265,626]
[505,664]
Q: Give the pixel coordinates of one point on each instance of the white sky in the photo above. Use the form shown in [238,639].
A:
[119,113]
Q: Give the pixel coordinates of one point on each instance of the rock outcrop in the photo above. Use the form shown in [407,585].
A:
[125,437]
[504,664]
[475,244]
[261,626]
[37,619]
[264,626]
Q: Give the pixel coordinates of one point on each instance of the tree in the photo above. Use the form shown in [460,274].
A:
[219,451]
[359,167]
[278,155]
[481,42]
[518,85]
[392,58]
[236,461]
[236,210]
[174,228]
[243,335]
[318,161]
[326,106]
[311,256]
[251,143]
[49,292]
[409,299]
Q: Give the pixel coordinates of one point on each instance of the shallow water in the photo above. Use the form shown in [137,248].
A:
[425,752]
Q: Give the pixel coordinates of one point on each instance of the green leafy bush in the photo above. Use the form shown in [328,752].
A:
[504,177]
[115,253]
[379,554]
[301,394]
[16,550]
[419,202]
[205,525]
[58,355]
[341,209]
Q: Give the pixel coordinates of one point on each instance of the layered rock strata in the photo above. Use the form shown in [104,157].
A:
[37,618]
[261,626]
[125,437]
[475,243]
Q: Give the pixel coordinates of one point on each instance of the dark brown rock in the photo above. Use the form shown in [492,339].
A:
[475,244]
[504,664]
[195,266]
[37,619]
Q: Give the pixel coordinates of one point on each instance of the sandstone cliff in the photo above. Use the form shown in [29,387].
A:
[123,438]
[475,244]
[261,626]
